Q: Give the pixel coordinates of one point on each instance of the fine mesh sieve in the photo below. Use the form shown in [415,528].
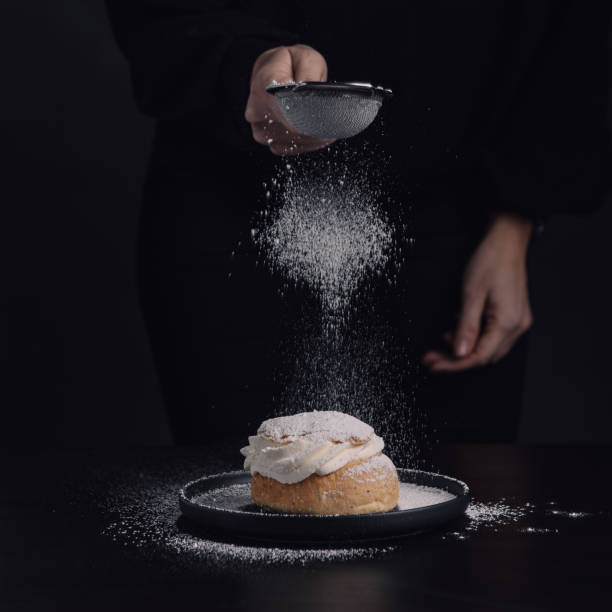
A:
[329,109]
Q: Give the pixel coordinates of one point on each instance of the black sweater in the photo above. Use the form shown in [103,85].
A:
[512,94]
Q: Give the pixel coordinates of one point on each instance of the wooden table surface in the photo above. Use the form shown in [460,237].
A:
[61,546]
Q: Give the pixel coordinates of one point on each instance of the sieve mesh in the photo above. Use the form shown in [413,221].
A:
[329,110]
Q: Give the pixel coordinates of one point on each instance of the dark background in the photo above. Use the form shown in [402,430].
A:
[73,153]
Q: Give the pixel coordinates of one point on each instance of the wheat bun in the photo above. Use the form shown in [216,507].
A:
[364,486]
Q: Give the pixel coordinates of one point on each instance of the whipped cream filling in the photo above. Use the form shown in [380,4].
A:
[294,461]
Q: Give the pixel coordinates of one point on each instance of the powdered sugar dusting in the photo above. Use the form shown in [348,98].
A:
[236,497]
[570,514]
[143,516]
[316,427]
[230,556]
[375,469]
[538,530]
[493,514]
[147,520]
[412,496]
[333,494]
[274,83]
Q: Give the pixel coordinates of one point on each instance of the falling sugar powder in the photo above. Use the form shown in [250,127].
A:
[361,372]
[328,237]
[328,231]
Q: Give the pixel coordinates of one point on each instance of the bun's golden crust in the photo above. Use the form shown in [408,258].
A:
[368,485]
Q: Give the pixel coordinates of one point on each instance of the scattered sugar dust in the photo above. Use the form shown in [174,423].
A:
[570,514]
[144,517]
[147,520]
[538,530]
[496,515]
[224,555]
[490,516]
[493,514]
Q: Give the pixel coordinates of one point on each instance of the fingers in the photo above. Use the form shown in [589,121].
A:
[258,107]
[483,354]
[268,125]
[273,65]
[470,319]
[308,64]
[432,357]
[498,338]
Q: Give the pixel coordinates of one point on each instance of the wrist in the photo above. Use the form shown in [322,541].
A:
[513,228]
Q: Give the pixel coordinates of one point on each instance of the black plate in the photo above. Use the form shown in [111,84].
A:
[222,502]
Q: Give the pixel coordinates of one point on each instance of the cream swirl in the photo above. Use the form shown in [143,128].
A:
[291,462]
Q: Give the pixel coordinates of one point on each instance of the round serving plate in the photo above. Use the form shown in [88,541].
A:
[223,503]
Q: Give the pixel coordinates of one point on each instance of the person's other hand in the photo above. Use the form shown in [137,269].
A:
[269,127]
[495,303]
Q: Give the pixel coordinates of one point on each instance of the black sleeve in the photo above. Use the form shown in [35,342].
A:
[553,154]
[192,60]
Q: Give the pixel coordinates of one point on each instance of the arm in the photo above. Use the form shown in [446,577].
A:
[192,61]
[551,154]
